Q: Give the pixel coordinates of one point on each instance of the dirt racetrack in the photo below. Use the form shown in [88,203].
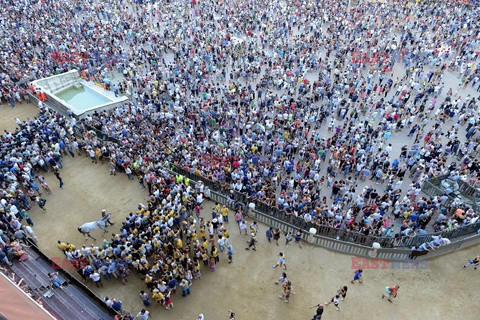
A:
[443,291]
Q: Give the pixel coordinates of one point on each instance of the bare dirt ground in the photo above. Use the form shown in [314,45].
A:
[443,291]
[22,111]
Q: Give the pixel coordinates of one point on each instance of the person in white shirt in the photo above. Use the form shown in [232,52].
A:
[96,279]
[108,302]
[243,227]
[143,315]
[200,198]
[91,152]
[307,217]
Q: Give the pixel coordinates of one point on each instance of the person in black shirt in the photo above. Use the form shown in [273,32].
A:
[319,312]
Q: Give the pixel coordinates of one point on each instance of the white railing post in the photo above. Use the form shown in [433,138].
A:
[374,252]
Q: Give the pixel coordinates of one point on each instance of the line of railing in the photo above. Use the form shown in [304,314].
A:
[336,242]
[332,232]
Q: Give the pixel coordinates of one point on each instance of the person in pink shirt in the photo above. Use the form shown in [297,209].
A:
[238,217]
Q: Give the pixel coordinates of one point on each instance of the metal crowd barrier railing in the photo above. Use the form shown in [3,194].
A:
[275,217]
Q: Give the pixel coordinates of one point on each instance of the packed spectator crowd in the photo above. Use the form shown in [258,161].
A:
[35,147]
[275,88]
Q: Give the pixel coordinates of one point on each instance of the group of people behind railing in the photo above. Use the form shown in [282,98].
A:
[407,238]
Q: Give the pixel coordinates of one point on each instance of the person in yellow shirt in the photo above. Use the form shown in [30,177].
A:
[204,244]
[202,232]
[62,246]
[224,212]
[157,296]
[214,253]
[205,258]
[98,153]
[109,252]
[148,278]
[196,273]
[70,247]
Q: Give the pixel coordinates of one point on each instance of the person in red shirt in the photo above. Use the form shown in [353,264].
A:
[392,292]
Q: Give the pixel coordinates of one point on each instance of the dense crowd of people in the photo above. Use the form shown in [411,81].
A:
[35,147]
[306,123]
[266,111]
[162,242]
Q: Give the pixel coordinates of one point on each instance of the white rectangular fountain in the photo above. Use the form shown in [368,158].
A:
[71,92]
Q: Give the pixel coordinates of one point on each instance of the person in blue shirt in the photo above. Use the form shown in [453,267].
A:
[357,276]
[425,247]
[413,216]
[434,244]
[421,231]
[117,305]
[269,233]
[298,237]
[172,284]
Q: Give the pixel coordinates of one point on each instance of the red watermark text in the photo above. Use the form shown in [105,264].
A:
[65,264]
[65,57]
[209,160]
[375,57]
[366,264]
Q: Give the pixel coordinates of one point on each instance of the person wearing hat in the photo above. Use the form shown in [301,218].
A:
[157,296]
[185,286]
[106,217]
